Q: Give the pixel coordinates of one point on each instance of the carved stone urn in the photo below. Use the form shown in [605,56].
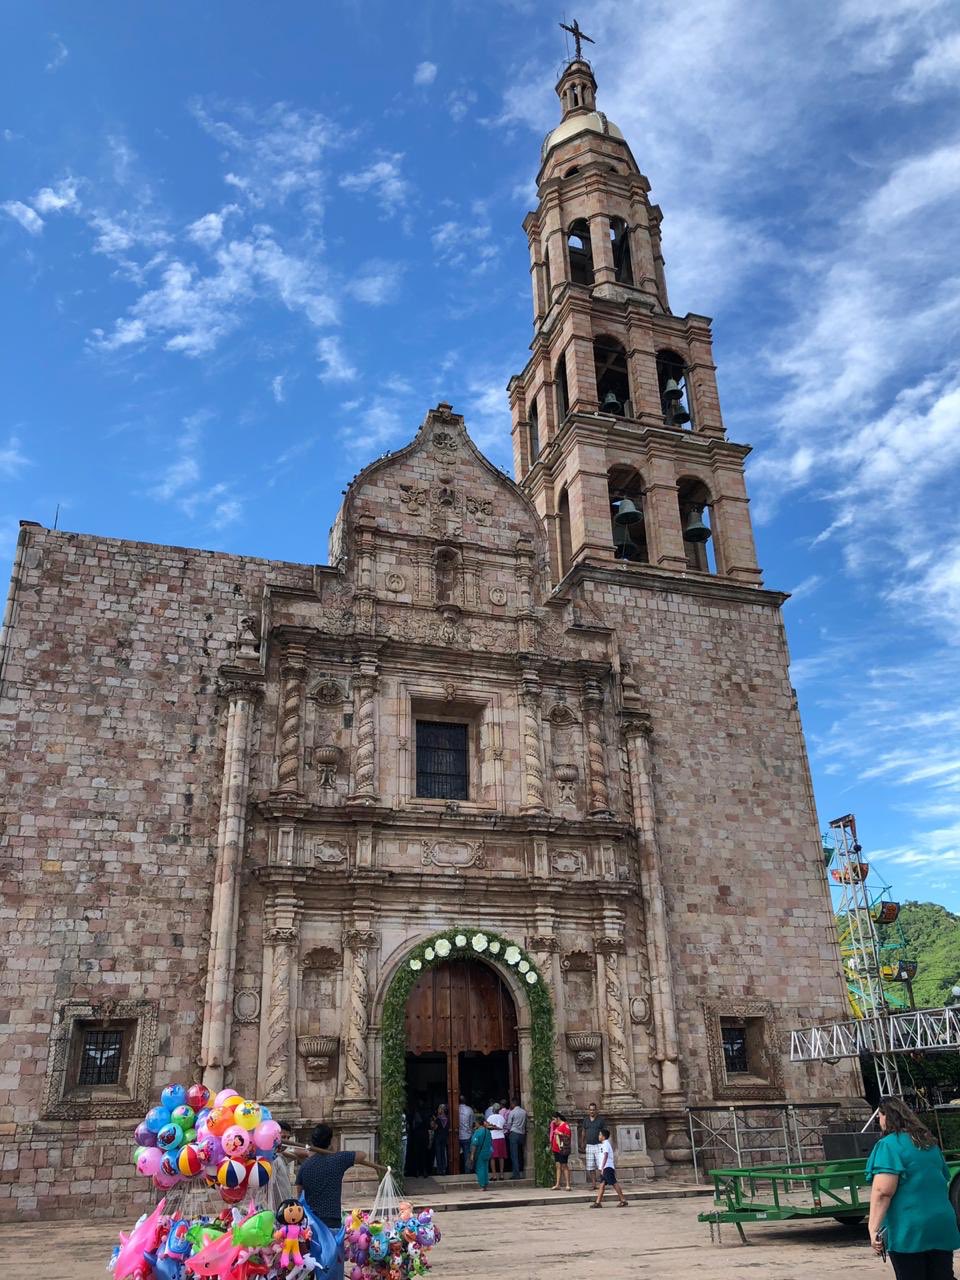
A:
[319,1053]
[585,1047]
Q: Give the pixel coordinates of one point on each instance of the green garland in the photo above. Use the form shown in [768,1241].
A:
[543,1080]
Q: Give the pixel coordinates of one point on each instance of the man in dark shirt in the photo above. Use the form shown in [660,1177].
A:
[321,1175]
[591,1124]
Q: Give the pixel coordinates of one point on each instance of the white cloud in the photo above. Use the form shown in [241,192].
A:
[59,55]
[936,70]
[56,199]
[376,283]
[383,179]
[278,388]
[22,213]
[208,230]
[12,460]
[276,153]
[460,102]
[373,427]
[805,588]
[461,243]
[192,312]
[336,367]
[216,506]
[425,73]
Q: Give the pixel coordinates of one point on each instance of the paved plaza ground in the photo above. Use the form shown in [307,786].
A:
[654,1240]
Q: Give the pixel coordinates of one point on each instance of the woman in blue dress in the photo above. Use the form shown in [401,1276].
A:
[481,1148]
[909,1197]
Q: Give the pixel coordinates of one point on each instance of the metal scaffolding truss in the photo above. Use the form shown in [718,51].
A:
[755,1133]
[910,1031]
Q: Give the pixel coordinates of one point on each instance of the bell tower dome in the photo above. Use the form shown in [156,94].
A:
[617,432]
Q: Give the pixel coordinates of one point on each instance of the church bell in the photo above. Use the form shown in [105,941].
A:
[675,413]
[623,544]
[611,404]
[694,530]
[627,514]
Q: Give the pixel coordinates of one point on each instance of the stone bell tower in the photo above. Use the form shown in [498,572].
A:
[617,433]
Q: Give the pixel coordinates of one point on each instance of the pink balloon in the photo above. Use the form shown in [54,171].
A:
[149,1161]
[223,1096]
[164,1181]
[236,1141]
[266,1135]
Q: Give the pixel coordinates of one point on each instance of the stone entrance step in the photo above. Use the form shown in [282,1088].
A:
[453,1182]
[425,1192]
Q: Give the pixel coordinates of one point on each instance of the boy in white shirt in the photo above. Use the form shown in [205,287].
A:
[608,1173]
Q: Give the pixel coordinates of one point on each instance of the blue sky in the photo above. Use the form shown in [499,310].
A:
[244,248]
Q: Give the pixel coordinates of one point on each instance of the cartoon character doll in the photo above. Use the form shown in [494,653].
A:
[291,1232]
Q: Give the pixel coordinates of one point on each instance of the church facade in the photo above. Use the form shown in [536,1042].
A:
[516,737]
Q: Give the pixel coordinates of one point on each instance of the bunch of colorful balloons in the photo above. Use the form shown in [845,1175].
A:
[229,1141]
[389,1250]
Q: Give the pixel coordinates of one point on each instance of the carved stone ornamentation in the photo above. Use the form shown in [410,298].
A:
[413,498]
[585,1047]
[568,862]
[328,852]
[366,737]
[566,776]
[498,595]
[577,962]
[246,1006]
[320,1054]
[356,1084]
[618,1056]
[640,1011]
[543,944]
[457,854]
[329,692]
[130,1097]
[289,750]
[445,444]
[323,959]
[327,757]
[282,940]
[596,757]
[395,582]
[480,508]
[532,745]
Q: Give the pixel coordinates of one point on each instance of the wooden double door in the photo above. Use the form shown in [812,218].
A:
[461,1038]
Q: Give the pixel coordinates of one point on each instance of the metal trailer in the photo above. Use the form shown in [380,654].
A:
[789,1192]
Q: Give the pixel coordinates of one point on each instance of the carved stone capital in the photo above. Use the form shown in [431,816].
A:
[546,943]
[360,940]
[585,1047]
[287,934]
[235,684]
[320,1054]
[637,725]
[610,946]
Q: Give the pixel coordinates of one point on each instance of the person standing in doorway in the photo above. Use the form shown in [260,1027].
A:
[561,1140]
[910,1210]
[515,1127]
[440,1126]
[499,1154]
[608,1172]
[481,1145]
[592,1123]
[464,1132]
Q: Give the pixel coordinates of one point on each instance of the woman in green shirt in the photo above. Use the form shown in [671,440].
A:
[481,1146]
[908,1196]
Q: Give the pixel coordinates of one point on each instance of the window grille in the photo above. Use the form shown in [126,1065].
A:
[735,1048]
[442,760]
[100,1056]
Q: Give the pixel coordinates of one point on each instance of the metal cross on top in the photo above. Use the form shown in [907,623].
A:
[578,35]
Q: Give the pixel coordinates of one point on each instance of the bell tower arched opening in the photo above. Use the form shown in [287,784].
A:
[461,1039]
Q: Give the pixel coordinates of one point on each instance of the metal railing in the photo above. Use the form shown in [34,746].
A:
[740,1136]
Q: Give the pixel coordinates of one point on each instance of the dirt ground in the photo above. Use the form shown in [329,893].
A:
[656,1241]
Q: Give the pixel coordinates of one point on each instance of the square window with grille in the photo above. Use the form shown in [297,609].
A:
[734,1035]
[101,1054]
[442,760]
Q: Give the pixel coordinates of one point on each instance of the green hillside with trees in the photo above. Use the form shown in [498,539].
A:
[932,938]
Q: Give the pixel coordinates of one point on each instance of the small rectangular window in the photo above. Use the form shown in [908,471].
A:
[735,1047]
[101,1055]
[442,760]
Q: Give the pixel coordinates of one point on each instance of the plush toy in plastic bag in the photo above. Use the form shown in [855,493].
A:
[324,1247]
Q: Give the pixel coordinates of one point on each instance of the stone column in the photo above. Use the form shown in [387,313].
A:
[598,805]
[278,1054]
[242,696]
[356,1071]
[365,687]
[637,733]
[293,674]
[533,801]
[617,1069]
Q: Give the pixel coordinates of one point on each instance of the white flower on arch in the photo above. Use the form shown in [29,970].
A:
[479,942]
[442,947]
[416,964]
[494,948]
[523,966]
[512,955]
[532,977]
[429,953]
[461,939]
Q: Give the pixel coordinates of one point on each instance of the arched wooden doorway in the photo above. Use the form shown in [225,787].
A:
[461,1038]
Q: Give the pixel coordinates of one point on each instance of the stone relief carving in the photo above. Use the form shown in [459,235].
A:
[577,961]
[413,499]
[498,595]
[446,509]
[585,1047]
[568,863]
[452,853]
[640,1010]
[320,1054]
[329,692]
[322,958]
[445,444]
[247,643]
[423,627]
[327,758]
[246,1005]
[330,852]
[395,582]
[60,1103]
[564,751]
[480,508]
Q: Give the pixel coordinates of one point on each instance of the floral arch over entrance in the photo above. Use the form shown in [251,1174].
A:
[461,944]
